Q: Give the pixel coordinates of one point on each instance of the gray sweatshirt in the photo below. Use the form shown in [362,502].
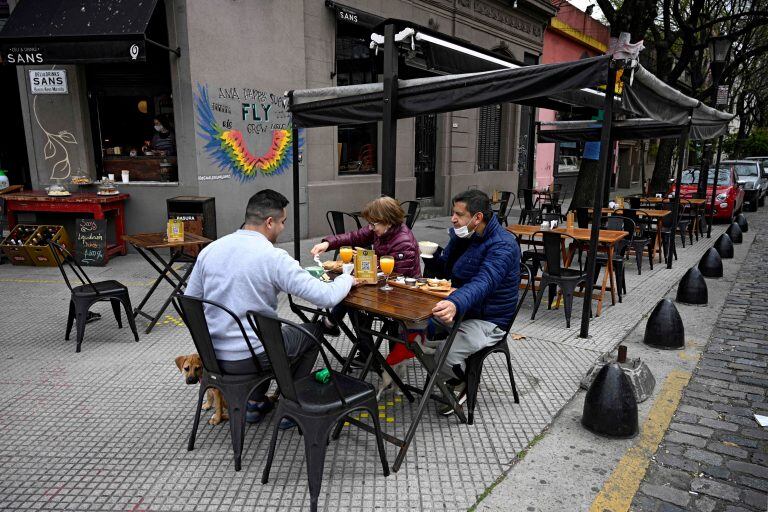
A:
[244,271]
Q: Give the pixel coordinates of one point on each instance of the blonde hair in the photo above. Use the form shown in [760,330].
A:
[385,210]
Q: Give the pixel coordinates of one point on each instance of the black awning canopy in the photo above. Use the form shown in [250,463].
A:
[589,131]
[76,31]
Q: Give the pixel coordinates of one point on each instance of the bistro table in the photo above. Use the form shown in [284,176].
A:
[657,215]
[77,202]
[147,245]
[396,308]
[607,238]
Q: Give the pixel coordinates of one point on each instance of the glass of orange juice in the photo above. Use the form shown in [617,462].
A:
[387,264]
[346,254]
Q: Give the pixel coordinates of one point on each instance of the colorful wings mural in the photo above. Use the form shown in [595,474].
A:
[228,148]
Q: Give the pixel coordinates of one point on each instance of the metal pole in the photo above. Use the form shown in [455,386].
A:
[389,137]
[682,156]
[714,186]
[609,174]
[296,206]
[605,150]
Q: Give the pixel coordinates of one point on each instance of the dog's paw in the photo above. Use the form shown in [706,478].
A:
[215,420]
[224,416]
[206,405]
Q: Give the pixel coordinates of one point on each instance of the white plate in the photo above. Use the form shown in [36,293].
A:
[428,256]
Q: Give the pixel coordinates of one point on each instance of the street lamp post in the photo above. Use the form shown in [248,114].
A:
[719,47]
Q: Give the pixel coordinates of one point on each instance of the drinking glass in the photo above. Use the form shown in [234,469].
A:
[387,264]
[346,254]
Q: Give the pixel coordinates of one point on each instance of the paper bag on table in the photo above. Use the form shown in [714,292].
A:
[365,266]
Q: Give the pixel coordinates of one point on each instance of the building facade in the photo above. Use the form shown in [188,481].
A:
[218,75]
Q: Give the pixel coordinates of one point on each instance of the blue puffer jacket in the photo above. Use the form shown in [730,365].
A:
[486,275]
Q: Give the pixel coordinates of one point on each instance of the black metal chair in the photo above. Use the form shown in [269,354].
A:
[475,361]
[314,406]
[507,198]
[583,217]
[641,239]
[337,221]
[529,214]
[555,275]
[412,210]
[88,293]
[617,223]
[553,199]
[236,389]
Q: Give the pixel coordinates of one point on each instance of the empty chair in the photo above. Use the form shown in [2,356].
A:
[341,222]
[529,214]
[583,217]
[617,223]
[553,200]
[235,388]
[315,406]
[556,275]
[88,293]
[505,201]
[641,239]
[475,361]
[412,210]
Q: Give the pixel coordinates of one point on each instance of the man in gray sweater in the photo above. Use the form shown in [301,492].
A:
[245,271]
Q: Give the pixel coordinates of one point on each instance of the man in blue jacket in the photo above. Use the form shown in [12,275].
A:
[482,260]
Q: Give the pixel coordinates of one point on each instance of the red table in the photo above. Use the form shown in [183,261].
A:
[78,202]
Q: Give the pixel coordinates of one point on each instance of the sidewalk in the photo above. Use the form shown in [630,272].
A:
[106,429]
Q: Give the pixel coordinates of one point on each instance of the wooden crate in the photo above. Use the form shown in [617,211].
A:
[41,255]
[18,254]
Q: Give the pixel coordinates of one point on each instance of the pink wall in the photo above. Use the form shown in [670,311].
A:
[558,47]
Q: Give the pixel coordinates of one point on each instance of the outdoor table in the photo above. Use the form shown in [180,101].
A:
[607,238]
[396,308]
[77,202]
[147,245]
[657,215]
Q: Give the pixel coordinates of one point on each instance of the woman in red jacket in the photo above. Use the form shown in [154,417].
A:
[387,233]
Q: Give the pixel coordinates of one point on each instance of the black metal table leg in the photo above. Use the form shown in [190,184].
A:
[176,289]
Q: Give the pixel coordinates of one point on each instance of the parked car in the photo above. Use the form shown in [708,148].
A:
[751,175]
[729,200]
[568,164]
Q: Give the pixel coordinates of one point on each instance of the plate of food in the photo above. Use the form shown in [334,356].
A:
[437,287]
[333,266]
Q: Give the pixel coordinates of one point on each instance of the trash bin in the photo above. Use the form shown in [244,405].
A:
[198,214]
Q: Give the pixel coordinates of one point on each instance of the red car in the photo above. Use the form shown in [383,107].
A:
[730,196]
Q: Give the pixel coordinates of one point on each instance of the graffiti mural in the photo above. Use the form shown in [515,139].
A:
[62,168]
[247,132]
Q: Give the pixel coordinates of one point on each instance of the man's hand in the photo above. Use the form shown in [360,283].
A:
[319,248]
[444,311]
[357,282]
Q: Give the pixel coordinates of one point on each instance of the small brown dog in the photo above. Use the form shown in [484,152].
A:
[191,368]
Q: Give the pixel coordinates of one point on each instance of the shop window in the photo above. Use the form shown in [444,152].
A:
[489,138]
[355,64]
[131,109]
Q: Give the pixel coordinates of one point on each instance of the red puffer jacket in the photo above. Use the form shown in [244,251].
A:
[398,242]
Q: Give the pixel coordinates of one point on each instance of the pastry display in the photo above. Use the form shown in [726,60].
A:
[57,190]
[81,180]
[107,188]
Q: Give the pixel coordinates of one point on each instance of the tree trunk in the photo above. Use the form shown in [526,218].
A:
[661,171]
[586,182]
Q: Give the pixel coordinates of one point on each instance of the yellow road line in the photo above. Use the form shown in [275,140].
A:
[618,491]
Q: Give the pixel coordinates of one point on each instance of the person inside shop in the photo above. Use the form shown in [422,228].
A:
[387,233]
[482,260]
[245,271]
[163,140]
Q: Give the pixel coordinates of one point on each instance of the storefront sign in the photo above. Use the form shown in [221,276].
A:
[722,94]
[75,52]
[48,81]
[247,132]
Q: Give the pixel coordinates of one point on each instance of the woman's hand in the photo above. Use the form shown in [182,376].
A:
[319,248]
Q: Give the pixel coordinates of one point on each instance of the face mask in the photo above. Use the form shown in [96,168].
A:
[158,128]
[463,231]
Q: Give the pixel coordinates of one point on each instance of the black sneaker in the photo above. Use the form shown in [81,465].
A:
[330,331]
[447,410]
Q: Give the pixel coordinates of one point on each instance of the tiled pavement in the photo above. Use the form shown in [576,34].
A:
[106,429]
[714,456]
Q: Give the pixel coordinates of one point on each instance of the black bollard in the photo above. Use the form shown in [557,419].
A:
[692,288]
[610,407]
[741,220]
[710,264]
[664,328]
[724,246]
[734,231]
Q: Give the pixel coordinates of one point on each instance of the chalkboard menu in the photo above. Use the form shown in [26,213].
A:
[91,241]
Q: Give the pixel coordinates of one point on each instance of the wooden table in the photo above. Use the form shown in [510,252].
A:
[396,308]
[606,237]
[147,244]
[657,215]
[657,200]
[10,189]
[78,202]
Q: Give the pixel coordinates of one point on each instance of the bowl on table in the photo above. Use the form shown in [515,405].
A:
[427,249]
[315,271]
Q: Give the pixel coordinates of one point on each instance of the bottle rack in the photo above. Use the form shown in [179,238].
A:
[38,247]
[18,254]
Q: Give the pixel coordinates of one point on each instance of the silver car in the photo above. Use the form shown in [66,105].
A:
[753,178]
